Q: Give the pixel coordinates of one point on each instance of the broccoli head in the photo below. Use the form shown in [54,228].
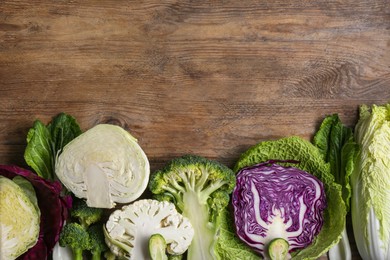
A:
[97,241]
[76,237]
[200,188]
[85,215]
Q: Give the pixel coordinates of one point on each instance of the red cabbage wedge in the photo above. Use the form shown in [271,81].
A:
[274,203]
[311,161]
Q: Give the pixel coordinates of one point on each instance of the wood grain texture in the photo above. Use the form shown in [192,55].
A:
[204,77]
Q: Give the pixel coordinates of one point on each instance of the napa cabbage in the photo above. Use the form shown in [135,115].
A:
[370,182]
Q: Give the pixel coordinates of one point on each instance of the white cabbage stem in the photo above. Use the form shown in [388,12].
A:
[342,250]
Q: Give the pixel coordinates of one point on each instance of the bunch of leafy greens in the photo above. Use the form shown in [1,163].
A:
[310,160]
[337,145]
[44,143]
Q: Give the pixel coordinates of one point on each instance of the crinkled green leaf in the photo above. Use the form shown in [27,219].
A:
[310,160]
[228,245]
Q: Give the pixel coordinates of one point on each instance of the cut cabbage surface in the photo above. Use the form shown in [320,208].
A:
[105,165]
[19,220]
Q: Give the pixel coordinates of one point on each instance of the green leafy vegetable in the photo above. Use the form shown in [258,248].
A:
[371,183]
[338,147]
[310,160]
[45,142]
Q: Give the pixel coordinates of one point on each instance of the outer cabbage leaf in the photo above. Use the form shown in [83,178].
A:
[228,245]
[310,160]
[53,207]
[371,183]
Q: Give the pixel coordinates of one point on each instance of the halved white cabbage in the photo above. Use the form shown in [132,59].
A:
[19,220]
[105,165]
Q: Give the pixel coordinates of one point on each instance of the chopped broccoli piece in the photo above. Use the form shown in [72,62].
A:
[200,189]
[157,247]
[85,215]
[76,237]
[98,244]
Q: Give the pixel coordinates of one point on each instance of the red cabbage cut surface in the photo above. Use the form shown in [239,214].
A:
[53,207]
[271,201]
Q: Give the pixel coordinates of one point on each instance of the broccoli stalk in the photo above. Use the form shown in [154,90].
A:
[200,189]
[76,237]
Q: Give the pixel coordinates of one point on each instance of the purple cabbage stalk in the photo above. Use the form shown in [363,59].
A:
[272,201]
[53,207]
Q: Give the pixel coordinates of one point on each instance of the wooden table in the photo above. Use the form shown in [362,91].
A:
[205,77]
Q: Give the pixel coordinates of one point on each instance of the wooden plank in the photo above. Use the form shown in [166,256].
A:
[204,77]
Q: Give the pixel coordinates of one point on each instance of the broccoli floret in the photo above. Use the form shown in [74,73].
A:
[85,215]
[98,244]
[76,237]
[200,189]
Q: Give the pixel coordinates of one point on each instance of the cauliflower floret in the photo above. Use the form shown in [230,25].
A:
[129,229]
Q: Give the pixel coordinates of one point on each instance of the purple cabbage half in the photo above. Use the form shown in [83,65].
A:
[53,207]
[272,201]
